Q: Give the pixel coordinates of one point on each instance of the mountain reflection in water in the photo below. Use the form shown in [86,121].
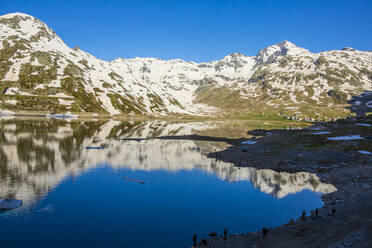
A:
[37,155]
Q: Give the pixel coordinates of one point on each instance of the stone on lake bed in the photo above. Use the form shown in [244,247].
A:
[348,137]
[10,203]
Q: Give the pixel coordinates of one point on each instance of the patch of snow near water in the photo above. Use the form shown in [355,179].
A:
[363,124]
[248,142]
[319,133]
[13,102]
[365,152]
[6,112]
[348,137]
[65,102]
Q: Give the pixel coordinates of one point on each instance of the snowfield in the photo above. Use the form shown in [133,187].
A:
[281,72]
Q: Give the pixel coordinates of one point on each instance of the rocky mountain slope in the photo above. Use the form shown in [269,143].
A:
[39,72]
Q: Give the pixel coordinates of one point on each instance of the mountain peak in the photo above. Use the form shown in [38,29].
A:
[350,49]
[233,56]
[236,54]
[286,43]
[25,26]
[16,14]
[283,48]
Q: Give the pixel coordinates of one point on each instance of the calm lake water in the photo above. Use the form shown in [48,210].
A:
[136,193]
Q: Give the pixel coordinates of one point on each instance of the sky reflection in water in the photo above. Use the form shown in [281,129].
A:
[77,196]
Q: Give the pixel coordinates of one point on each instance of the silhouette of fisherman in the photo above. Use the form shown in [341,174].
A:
[224,234]
[264,232]
[333,211]
[303,215]
[316,214]
[194,239]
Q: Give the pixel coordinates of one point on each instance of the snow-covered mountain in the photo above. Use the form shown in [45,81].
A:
[39,72]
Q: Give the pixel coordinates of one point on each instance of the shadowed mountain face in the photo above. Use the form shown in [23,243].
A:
[37,155]
[39,72]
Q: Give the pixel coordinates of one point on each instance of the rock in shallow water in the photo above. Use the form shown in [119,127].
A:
[10,203]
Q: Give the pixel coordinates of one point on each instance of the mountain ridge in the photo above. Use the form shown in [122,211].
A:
[39,72]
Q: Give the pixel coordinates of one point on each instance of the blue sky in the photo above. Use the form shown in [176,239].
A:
[201,30]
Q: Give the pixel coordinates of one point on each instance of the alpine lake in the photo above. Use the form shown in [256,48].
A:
[109,183]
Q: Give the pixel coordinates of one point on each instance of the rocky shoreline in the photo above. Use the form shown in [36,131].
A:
[319,149]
